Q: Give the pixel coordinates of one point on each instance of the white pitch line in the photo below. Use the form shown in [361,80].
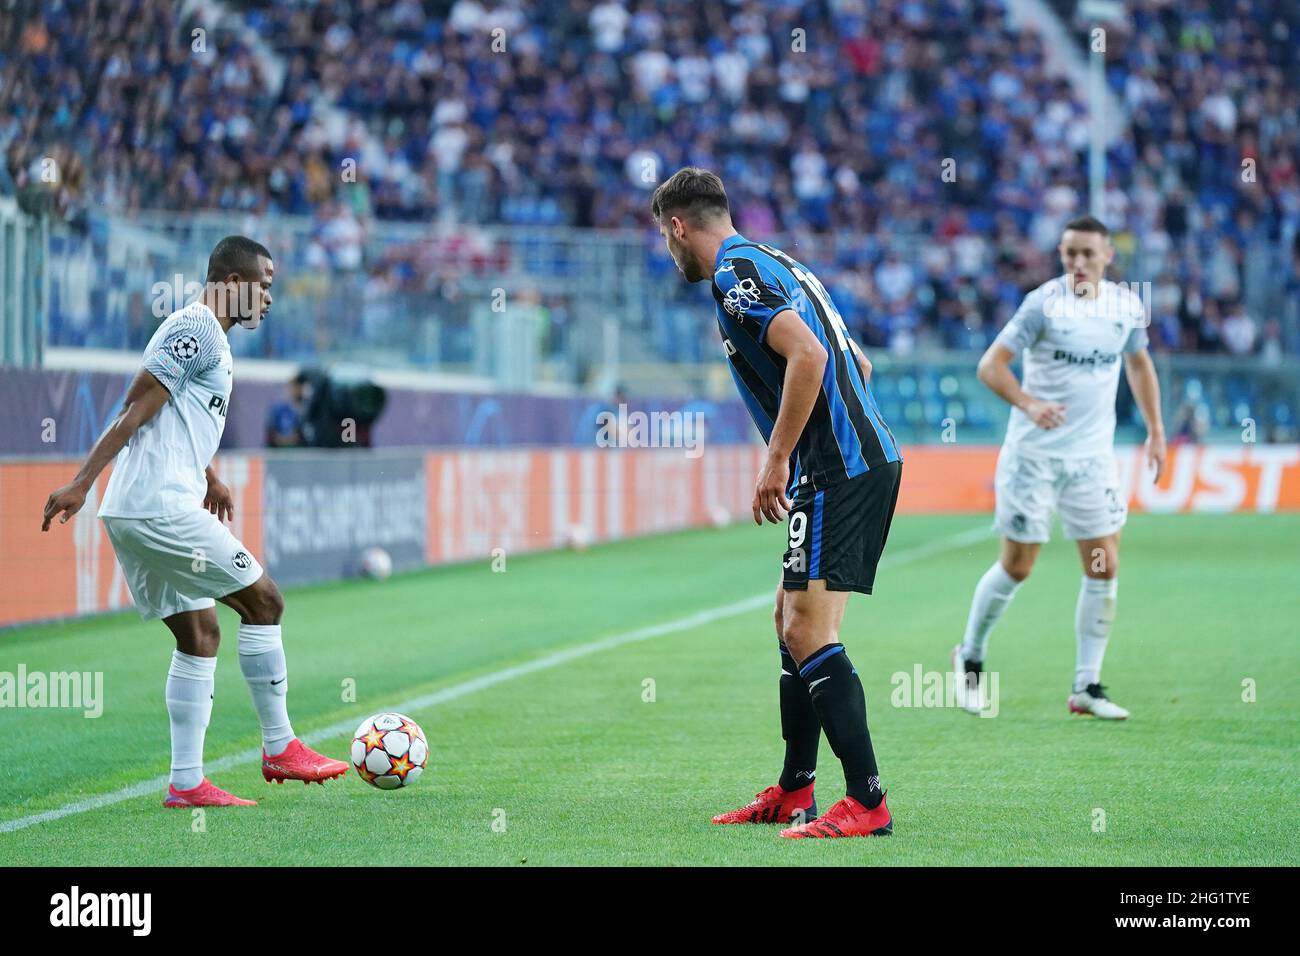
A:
[464,688]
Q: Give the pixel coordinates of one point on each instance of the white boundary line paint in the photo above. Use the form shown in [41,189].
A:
[159,784]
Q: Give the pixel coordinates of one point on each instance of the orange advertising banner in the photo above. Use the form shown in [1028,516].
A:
[70,570]
[479,500]
[1197,478]
[529,500]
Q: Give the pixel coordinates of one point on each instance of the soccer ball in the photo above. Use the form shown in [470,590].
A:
[376,563]
[389,751]
[577,538]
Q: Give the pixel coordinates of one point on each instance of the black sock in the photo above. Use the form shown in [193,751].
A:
[841,707]
[799,727]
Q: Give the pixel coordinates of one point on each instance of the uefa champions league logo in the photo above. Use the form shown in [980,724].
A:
[186,347]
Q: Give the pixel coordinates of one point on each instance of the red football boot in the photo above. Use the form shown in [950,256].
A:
[205,794]
[774,805]
[848,818]
[300,762]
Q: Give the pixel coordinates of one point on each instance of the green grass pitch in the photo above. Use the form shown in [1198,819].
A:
[569,764]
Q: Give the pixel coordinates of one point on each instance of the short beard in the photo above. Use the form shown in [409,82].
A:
[694,275]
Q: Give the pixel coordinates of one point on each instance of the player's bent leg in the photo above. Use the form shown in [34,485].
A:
[1017,558]
[812,622]
[265,668]
[1094,617]
[189,695]
[259,603]
[811,619]
[197,632]
[791,800]
[992,595]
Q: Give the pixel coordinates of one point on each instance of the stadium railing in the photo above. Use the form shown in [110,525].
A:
[533,308]
[24,287]
[406,295]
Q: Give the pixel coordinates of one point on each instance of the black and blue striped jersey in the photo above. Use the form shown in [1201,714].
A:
[845,435]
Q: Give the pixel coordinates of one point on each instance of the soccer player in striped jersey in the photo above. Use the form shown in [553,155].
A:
[832,471]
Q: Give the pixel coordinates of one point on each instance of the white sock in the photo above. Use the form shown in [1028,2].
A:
[189,705]
[261,658]
[992,595]
[1093,617]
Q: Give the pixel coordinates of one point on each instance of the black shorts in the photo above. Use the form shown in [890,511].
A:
[838,534]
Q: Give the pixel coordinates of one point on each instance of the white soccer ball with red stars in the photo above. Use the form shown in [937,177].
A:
[389,751]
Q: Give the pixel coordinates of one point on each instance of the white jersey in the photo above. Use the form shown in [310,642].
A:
[161,469]
[1072,347]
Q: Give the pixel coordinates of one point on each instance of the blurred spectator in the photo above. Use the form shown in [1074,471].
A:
[1239,331]
[837,142]
[284,420]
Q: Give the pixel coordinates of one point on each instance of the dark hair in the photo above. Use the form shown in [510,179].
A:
[691,190]
[1087,224]
[238,255]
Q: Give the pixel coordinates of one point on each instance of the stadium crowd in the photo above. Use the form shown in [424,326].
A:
[833,124]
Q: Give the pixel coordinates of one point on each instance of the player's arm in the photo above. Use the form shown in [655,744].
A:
[995,372]
[805,362]
[143,400]
[1145,385]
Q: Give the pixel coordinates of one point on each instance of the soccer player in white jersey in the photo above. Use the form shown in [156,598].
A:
[1058,454]
[164,509]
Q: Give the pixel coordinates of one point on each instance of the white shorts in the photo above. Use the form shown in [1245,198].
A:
[1086,491]
[180,562]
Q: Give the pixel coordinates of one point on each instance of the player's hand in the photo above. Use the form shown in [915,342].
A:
[770,501]
[66,501]
[219,501]
[1156,453]
[1045,414]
